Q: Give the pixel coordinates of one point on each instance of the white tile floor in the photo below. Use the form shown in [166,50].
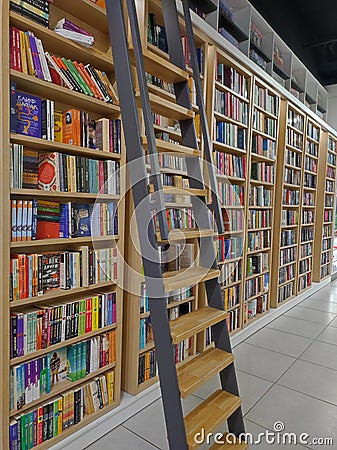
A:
[287,372]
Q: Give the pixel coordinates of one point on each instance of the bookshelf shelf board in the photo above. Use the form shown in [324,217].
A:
[171,148]
[329,208]
[222,87]
[257,317]
[63,293]
[330,179]
[256,296]
[260,250]
[43,145]
[59,45]
[306,257]
[258,207]
[188,277]
[286,300]
[177,303]
[301,275]
[63,95]
[292,167]
[62,241]
[207,6]
[305,288]
[178,205]
[287,264]
[293,148]
[184,191]
[224,178]
[230,232]
[257,157]
[167,108]
[308,224]
[262,183]
[290,206]
[260,52]
[310,171]
[87,11]
[307,188]
[146,384]
[255,275]
[233,308]
[296,86]
[149,346]
[226,261]
[232,206]
[160,92]
[62,195]
[312,157]
[291,186]
[221,147]
[286,282]
[251,230]
[265,112]
[232,28]
[265,135]
[230,285]
[63,386]
[308,207]
[326,264]
[45,351]
[188,233]
[223,118]
[289,226]
[297,130]
[326,251]
[280,72]
[331,165]
[287,246]
[172,132]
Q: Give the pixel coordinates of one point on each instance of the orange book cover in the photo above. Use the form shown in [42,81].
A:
[89,81]
[71,127]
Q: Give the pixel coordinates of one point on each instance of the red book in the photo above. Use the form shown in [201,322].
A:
[56,79]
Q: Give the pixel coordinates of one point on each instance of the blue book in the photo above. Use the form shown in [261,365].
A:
[34,218]
[81,220]
[13,435]
[84,359]
[28,115]
[13,113]
[72,360]
[64,220]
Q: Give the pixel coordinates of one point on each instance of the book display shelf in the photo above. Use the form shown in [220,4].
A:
[63,229]
[263,161]
[286,236]
[325,211]
[139,362]
[229,109]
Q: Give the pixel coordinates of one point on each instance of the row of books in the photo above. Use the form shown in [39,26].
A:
[68,29]
[262,172]
[286,291]
[328,216]
[233,219]
[265,100]
[312,131]
[228,248]
[35,10]
[287,237]
[147,366]
[145,332]
[289,217]
[257,285]
[306,250]
[263,146]
[330,172]
[292,176]
[35,378]
[231,106]
[328,201]
[331,145]
[180,310]
[294,139]
[177,219]
[230,134]
[331,159]
[230,273]
[40,219]
[325,271]
[49,420]
[260,196]
[309,180]
[176,256]
[329,186]
[28,56]
[233,320]
[177,181]
[178,295]
[288,255]
[307,234]
[327,231]
[257,58]
[264,124]
[291,197]
[170,161]
[35,274]
[286,273]
[230,165]
[231,297]
[308,217]
[308,199]
[257,306]
[326,244]
[40,327]
[311,164]
[326,258]
[59,172]
[232,79]
[312,149]
[305,265]
[257,264]
[231,194]
[295,120]
[292,158]
[259,219]
[228,36]
[258,240]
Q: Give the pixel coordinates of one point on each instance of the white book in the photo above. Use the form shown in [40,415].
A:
[43,60]
[58,70]
[86,41]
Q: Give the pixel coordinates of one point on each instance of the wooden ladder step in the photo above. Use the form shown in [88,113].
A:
[210,414]
[196,372]
[195,322]
[170,148]
[188,277]
[189,233]
[184,191]
[234,444]
[167,108]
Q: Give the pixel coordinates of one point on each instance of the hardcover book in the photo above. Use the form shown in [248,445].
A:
[28,115]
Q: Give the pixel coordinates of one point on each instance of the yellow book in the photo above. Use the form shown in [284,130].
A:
[58,135]
[110,379]
[95,313]
[30,62]
[60,416]
[23,52]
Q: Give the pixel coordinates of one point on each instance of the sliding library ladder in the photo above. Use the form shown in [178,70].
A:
[176,383]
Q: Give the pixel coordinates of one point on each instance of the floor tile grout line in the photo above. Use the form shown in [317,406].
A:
[140,437]
[276,351]
[308,395]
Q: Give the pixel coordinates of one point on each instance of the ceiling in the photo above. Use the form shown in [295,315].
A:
[309,28]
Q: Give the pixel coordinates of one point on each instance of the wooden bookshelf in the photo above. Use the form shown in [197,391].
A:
[87,15]
[229,99]
[286,235]
[262,167]
[325,209]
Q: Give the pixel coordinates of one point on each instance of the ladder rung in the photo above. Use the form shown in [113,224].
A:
[235,444]
[184,191]
[188,277]
[173,149]
[210,414]
[189,233]
[195,373]
[195,322]
[167,108]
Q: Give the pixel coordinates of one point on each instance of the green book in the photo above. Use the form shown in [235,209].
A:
[72,359]
[24,432]
[82,318]
[56,417]
[84,359]
[77,76]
